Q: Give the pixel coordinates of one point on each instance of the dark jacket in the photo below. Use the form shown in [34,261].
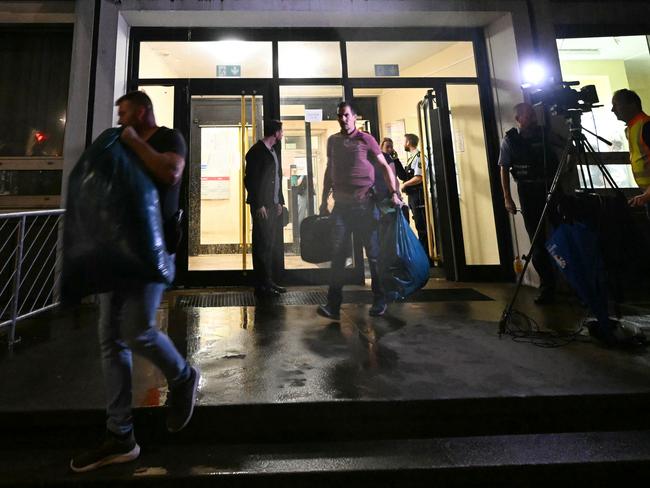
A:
[260,178]
[113,233]
[527,157]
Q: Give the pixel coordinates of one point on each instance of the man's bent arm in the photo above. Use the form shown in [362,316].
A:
[389,177]
[416,180]
[166,168]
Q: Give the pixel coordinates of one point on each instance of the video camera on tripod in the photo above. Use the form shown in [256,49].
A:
[591,253]
[560,99]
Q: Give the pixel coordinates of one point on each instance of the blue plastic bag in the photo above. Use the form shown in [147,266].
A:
[403,264]
[574,248]
[113,233]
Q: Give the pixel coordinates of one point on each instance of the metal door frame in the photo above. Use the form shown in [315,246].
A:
[182,109]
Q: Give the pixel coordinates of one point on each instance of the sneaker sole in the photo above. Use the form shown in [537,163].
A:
[195,388]
[132,455]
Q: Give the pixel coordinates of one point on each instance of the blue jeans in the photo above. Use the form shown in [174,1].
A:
[127,322]
[362,219]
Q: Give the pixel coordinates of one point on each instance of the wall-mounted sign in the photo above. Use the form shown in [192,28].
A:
[387,70]
[215,187]
[228,71]
[313,115]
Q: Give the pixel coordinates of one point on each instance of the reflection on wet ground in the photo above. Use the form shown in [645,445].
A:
[288,354]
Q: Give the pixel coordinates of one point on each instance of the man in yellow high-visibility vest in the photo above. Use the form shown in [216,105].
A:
[626,105]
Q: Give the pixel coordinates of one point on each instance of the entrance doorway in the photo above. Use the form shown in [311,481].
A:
[218,86]
[223,128]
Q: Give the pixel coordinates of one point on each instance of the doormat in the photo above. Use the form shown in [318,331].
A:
[316,297]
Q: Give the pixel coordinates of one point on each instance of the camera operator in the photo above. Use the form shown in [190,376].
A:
[528,155]
[626,105]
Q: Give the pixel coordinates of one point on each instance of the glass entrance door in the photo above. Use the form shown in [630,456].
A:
[462,206]
[222,129]
[447,121]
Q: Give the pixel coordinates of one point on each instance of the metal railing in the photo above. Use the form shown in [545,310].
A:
[30,266]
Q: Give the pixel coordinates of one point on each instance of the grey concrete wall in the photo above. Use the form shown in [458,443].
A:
[77,111]
[103,108]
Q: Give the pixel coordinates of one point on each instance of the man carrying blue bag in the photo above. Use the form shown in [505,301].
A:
[352,156]
[132,183]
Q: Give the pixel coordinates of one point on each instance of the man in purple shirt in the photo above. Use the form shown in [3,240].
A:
[351,159]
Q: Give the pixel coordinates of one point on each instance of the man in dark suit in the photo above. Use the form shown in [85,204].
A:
[263,182]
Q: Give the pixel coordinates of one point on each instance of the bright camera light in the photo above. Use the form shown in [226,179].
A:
[534,73]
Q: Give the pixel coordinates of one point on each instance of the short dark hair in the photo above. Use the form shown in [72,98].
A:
[520,108]
[628,97]
[139,98]
[344,104]
[271,127]
[412,139]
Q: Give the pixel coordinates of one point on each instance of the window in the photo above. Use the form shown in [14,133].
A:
[213,59]
[34,99]
[609,63]
[410,59]
[34,94]
[309,59]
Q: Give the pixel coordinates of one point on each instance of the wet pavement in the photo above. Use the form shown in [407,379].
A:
[275,354]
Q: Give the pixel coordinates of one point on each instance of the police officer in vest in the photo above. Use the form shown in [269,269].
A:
[413,187]
[626,105]
[523,155]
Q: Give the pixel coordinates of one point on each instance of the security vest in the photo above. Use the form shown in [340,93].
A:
[639,150]
[527,157]
[410,173]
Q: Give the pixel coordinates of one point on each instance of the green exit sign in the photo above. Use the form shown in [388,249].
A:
[228,70]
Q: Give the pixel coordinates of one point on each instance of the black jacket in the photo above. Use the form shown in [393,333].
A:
[260,177]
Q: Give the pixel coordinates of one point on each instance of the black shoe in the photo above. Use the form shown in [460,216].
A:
[264,292]
[327,312]
[546,297]
[180,402]
[114,450]
[278,288]
[615,335]
[378,309]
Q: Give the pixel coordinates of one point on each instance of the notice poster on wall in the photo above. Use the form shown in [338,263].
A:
[396,130]
[215,187]
[219,158]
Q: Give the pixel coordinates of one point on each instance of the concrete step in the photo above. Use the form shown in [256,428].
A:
[351,420]
[581,458]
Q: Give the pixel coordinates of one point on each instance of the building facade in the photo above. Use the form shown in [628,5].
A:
[448,71]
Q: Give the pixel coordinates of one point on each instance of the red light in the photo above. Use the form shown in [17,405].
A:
[40,137]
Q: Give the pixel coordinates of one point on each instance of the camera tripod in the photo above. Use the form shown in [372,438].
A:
[577,148]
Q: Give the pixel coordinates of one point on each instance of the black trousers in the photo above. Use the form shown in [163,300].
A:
[416,204]
[362,220]
[533,198]
[264,235]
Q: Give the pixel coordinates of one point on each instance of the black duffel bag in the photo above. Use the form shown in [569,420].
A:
[113,233]
[316,239]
